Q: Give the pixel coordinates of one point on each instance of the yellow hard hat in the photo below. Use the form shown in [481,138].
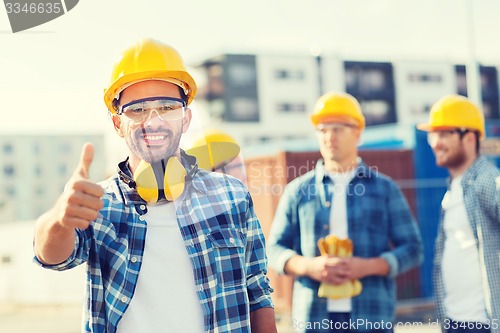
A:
[335,106]
[213,148]
[454,111]
[148,59]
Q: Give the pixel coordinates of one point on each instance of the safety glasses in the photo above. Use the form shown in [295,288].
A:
[335,128]
[434,136]
[166,108]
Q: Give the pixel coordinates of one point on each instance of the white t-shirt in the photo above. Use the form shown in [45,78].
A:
[165,298]
[464,299]
[338,226]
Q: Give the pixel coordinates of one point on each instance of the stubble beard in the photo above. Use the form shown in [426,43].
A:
[152,153]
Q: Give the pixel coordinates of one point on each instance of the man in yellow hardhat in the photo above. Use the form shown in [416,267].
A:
[169,247]
[218,151]
[467,256]
[342,198]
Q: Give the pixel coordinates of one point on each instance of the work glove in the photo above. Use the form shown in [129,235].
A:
[343,248]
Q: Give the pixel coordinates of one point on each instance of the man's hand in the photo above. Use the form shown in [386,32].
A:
[332,270]
[362,267]
[81,201]
[77,207]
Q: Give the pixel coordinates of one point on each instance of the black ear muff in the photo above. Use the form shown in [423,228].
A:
[161,180]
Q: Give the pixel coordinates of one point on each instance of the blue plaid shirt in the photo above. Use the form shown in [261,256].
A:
[481,188]
[380,224]
[222,236]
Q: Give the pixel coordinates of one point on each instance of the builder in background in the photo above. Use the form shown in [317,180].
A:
[467,256]
[342,196]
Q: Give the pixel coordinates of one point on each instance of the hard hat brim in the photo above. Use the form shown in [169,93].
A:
[429,128]
[317,119]
[424,127]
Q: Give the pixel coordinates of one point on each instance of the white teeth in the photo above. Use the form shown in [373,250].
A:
[154,137]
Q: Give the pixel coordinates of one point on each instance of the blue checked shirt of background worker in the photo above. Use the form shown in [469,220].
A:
[223,239]
[380,224]
[481,188]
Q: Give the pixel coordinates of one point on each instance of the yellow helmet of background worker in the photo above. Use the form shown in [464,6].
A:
[454,111]
[213,149]
[335,106]
[148,59]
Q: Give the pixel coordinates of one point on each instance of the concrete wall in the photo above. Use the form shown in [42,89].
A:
[24,282]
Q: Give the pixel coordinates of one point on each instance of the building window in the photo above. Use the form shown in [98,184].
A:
[488,110]
[216,108]
[376,111]
[489,89]
[291,107]
[9,170]
[366,81]
[288,74]
[372,84]
[38,170]
[11,191]
[242,109]
[241,75]
[5,259]
[40,191]
[65,148]
[420,109]
[62,169]
[424,78]
[8,148]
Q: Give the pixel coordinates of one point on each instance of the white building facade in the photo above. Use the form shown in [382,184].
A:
[35,168]
[267,98]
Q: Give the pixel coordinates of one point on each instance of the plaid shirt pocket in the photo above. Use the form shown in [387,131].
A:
[229,256]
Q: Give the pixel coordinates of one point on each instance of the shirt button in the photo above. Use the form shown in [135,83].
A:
[327,204]
[231,240]
[124,299]
[142,207]
[133,259]
[141,218]
[325,227]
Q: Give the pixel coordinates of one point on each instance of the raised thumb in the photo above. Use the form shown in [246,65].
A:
[86,158]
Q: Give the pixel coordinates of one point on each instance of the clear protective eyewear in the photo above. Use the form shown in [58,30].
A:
[434,136]
[166,108]
[335,128]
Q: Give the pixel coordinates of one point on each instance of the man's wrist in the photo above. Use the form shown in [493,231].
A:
[298,266]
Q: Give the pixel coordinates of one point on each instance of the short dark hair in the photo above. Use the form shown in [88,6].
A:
[184,97]
[477,135]
[478,142]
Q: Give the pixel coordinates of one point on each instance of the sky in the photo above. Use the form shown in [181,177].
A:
[52,76]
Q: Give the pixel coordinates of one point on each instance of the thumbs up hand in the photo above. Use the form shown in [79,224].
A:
[80,202]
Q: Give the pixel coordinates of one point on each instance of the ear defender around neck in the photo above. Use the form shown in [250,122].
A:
[160,180]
